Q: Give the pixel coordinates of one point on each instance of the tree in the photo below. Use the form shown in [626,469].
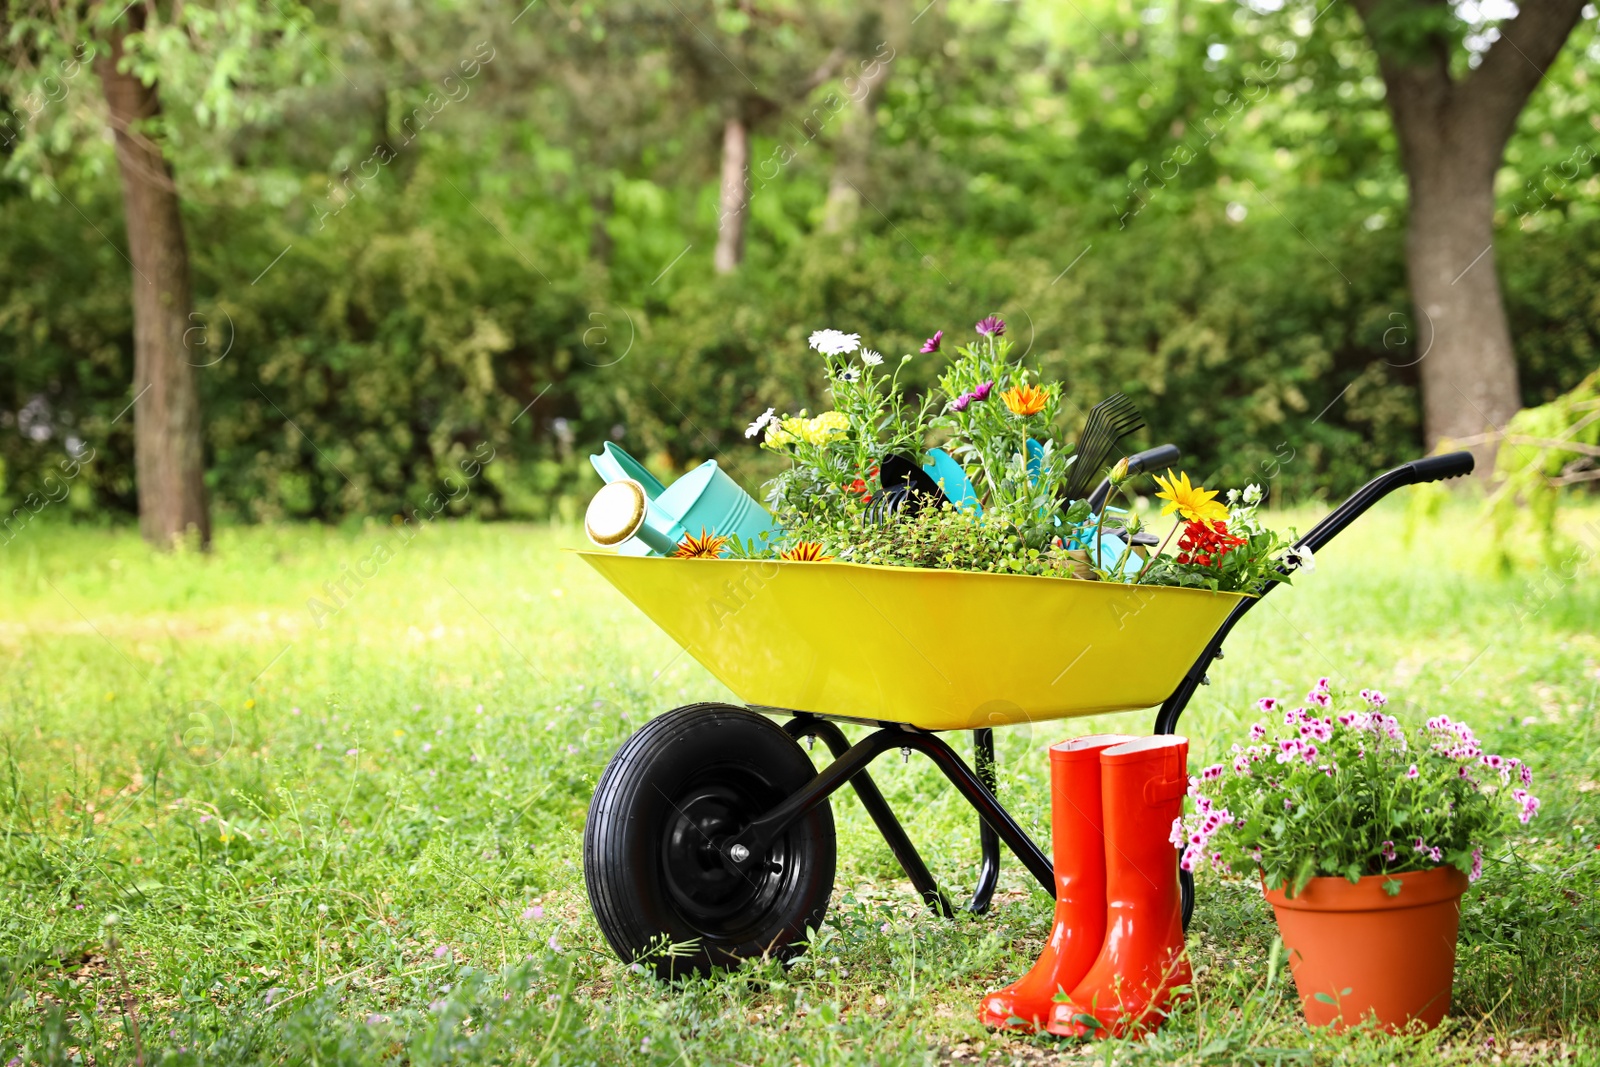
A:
[215,58]
[1452,122]
[168,438]
[753,63]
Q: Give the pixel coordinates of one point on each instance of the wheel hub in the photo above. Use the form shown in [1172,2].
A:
[717,898]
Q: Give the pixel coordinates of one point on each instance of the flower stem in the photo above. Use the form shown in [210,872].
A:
[1177,523]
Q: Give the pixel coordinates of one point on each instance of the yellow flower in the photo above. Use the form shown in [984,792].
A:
[706,546]
[778,435]
[828,426]
[1025,400]
[805,552]
[1192,502]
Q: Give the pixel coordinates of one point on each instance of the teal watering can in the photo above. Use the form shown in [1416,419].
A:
[704,499]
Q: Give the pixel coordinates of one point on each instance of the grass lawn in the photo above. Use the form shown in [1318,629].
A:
[248,818]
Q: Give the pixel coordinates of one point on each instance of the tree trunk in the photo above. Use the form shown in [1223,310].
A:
[735,198]
[853,152]
[603,202]
[1452,135]
[1469,372]
[168,461]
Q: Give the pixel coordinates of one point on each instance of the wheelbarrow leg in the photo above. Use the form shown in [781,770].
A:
[882,815]
[989,869]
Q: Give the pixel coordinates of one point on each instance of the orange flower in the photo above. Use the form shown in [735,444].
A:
[1025,400]
[805,552]
[706,546]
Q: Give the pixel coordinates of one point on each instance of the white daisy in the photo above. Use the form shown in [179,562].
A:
[849,374]
[834,343]
[871,358]
[768,416]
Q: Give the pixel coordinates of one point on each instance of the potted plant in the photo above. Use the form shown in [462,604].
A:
[1364,835]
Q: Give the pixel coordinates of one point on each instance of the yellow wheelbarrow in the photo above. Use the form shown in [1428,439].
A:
[710,837]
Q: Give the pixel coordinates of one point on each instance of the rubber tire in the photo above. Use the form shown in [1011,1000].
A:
[629,833]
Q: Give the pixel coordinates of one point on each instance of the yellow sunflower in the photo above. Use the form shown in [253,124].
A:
[706,546]
[1025,400]
[805,552]
[1192,502]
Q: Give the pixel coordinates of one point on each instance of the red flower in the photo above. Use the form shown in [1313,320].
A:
[860,488]
[1205,545]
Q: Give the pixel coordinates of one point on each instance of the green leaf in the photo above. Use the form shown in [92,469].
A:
[1391,886]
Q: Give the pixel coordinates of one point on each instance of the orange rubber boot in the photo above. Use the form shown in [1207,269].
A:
[1078,844]
[1129,986]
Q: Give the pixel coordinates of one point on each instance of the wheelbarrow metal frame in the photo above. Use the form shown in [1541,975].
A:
[978,786]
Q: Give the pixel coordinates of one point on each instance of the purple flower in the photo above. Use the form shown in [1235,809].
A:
[982,391]
[961,402]
[1258,731]
[1388,852]
[1412,771]
[1526,774]
[534,912]
[932,344]
[1212,772]
[1434,854]
[1477,865]
[991,326]
[1294,716]
[1417,845]
[441,952]
[1267,705]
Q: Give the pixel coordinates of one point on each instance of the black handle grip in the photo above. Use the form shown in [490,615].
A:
[1151,458]
[1438,468]
[1138,463]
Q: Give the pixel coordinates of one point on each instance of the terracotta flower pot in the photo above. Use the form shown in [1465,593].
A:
[1357,952]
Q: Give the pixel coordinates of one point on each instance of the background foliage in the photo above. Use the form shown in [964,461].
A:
[1196,203]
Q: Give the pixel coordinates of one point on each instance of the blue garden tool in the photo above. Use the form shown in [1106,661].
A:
[1113,541]
[950,476]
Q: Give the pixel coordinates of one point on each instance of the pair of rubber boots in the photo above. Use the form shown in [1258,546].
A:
[1116,952]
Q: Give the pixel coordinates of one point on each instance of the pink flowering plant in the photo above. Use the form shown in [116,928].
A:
[1340,788]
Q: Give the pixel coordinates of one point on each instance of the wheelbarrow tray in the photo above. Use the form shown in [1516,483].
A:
[934,649]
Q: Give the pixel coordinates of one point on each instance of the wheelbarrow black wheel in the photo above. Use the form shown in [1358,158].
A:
[674,792]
